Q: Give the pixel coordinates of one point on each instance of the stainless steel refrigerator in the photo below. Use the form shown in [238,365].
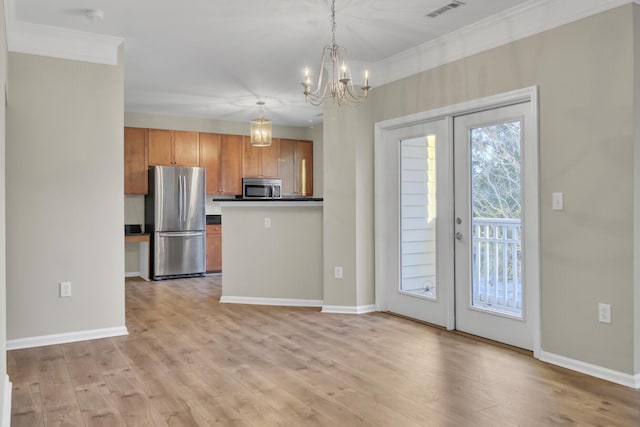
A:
[175,217]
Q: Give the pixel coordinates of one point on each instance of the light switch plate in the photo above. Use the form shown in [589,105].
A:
[604,313]
[338,272]
[65,289]
[557,201]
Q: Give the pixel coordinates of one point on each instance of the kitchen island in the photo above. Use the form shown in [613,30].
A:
[272,252]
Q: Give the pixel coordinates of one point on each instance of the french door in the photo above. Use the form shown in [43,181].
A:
[457,212]
[420,241]
[492,293]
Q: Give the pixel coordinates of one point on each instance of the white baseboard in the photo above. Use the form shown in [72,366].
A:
[621,378]
[6,406]
[288,302]
[131,274]
[347,309]
[65,338]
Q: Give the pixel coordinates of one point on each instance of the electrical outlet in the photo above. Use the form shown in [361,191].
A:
[604,313]
[65,289]
[338,272]
[267,223]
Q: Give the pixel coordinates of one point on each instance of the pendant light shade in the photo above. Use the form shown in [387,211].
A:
[260,129]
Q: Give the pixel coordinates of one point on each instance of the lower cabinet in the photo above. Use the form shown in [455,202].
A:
[214,247]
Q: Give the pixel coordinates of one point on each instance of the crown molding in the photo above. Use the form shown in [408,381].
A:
[513,24]
[44,40]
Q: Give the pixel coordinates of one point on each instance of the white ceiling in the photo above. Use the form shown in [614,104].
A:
[216,58]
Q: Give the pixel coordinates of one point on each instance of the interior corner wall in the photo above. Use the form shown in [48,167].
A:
[339,210]
[65,174]
[636,187]
[3,216]
[584,73]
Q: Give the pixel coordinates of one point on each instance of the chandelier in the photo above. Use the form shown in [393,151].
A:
[334,64]
[260,129]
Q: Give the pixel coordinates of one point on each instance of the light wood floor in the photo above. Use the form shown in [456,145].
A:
[190,360]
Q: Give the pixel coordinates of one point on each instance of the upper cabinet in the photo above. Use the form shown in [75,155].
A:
[227,158]
[260,162]
[135,161]
[296,167]
[222,156]
[210,159]
[231,164]
[173,148]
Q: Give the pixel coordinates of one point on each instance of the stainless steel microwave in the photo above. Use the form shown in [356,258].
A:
[261,188]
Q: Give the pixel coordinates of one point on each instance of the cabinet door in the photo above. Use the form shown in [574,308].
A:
[135,161]
[210,159]
[260,162]
[286,165]
[160,147]
[185,148]
[269,159]
[214,247]
[231,164]
[304,166]
[251,159]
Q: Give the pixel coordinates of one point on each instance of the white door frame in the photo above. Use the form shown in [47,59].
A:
[531,199]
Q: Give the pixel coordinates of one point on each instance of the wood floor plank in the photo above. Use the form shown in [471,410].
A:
[26,406]
[190,361]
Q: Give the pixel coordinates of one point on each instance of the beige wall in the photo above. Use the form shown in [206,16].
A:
[3,216]
[64,169]
[584,71]
[284,261]
[636,186]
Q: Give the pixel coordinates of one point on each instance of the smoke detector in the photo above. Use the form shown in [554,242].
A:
[454,4]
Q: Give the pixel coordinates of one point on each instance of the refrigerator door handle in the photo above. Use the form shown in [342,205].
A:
[184,200]
[180,233]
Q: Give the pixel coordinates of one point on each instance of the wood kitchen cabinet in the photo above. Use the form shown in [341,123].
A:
[260,162]
[210,159]
[135,161]
[221,155]
[296,167]
[173,148]
[231,164]
[214,247]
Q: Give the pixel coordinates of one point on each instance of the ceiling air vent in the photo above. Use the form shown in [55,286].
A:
[444,9]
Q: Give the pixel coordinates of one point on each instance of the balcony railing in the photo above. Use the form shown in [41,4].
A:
[497,265]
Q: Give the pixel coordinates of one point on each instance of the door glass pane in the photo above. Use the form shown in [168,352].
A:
[496,218]
[418,216]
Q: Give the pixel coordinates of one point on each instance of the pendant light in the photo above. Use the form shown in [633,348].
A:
[260,129]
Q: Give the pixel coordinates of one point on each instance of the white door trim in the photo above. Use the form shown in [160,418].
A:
[531,190]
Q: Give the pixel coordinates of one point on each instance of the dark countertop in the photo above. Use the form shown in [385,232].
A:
[214,219]
[284,199]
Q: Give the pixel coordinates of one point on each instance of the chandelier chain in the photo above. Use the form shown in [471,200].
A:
[333,22]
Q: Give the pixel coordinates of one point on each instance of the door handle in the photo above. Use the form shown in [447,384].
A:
[458,236]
